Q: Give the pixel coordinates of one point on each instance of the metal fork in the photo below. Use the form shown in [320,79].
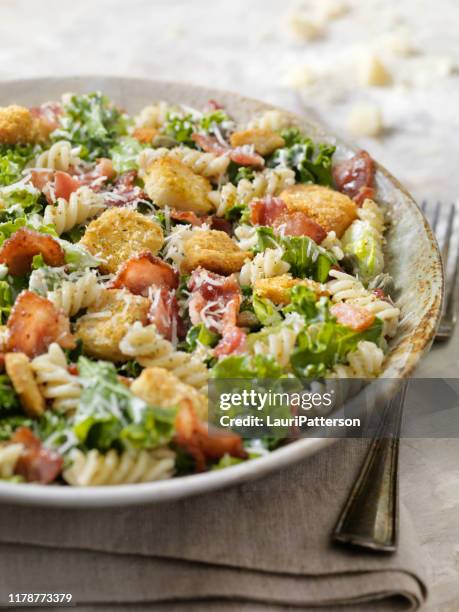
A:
[369,518]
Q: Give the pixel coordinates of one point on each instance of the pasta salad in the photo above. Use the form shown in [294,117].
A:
[142,256]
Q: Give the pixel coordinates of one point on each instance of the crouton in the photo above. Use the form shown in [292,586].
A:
[102,328]
[159,387]
[331,209]
[265,141]
[277,289]
[120,233]
[215,251]
[17,126]
[145,134]
[21,373]
[169,182]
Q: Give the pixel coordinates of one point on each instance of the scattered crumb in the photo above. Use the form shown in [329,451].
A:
[305,28]
[365,120]
[398,42]
[372,72]
[332,9]
[299,76]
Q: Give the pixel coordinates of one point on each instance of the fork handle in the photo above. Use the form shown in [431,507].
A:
[370,516]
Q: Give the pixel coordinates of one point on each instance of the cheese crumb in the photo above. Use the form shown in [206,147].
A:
[372,72]
[365,120]
[304,28]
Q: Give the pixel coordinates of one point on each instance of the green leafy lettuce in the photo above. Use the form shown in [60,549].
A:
[246,366]
[13,160]
[312,163]
[93,122]
[124,154]
[363,246]
[306,258]
[180,128]
[200,334]
[8,398]
[110,416]
[265,311]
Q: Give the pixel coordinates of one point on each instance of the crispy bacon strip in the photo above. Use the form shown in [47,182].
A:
[35,323]
[36,462]
[264,211]
[210,144]
[165,314]
[355,177]
[243,156]
[297,223]
[201,442]
[215,300]
[358,319]
[232,343]
[187,216]
[143,271]
[18,251]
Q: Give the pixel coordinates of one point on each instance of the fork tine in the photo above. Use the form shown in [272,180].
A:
[435,217]
[448,236]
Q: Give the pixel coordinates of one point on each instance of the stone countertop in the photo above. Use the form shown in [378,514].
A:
[246,47]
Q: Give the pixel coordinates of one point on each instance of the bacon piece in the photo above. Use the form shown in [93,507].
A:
[187,216]
[215,300]
[143,271]
[232,343]
[40,179]
[265,211]
[164,313]
[124,191]
[210,144]
[18,251]
[36,462]
[48,117]
[35,323]
[297,223]
[220,224]
[245,156]
[355,177]
[354,317]
[65,185]
[214,105]
[202,442]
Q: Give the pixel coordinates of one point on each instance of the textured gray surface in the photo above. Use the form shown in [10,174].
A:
[242,46]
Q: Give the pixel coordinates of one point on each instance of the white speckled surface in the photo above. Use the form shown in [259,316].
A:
[244,46]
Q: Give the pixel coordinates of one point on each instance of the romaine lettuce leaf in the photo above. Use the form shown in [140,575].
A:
[200,334]
[306,258]
[363,245]
[13,160]
[265,311]
[245,366]
[124,154]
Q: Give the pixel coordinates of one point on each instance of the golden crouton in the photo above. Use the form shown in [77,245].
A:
[145,134]
[120,233]
[170,182]
[159,387]
[332,210]
[277,289]
[215,251]
[17,126]
[265,141]
[102,328]
[20,371]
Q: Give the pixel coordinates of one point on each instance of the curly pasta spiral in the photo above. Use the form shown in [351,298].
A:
[59,157]
[9,455]
[246,236]
[346,288]
[372,214]
[82,205]
[271,120]
[94,468]
[333,244]
[205,164]
[264,265]
[153,116]
[365,362]
[152,350]
[55,381]
[268,182]
[280,344]
[71,297]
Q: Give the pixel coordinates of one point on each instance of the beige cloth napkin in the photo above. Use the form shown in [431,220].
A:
[264,545]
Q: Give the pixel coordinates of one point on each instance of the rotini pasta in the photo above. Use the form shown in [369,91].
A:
[205,164]
[60,156]
[333,244]
[9,455]
[246,236]
[151,350]
[55,381]
[71,297]
[264,265]
[346,288]
[269,182]
[82,205]
[280,343]
[95,468]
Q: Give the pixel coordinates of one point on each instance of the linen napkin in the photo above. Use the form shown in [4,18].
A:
[263,545]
